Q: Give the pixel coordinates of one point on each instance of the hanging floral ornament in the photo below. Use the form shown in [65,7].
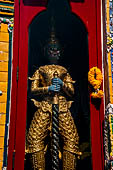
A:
[95,79]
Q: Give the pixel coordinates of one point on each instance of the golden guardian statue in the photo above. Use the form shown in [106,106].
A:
[55,86]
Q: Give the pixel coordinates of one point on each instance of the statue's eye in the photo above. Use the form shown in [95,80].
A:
[50,49]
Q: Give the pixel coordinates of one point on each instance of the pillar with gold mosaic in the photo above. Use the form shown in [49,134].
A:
[6,13]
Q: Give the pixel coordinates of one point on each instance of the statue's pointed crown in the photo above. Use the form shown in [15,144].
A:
[56,5]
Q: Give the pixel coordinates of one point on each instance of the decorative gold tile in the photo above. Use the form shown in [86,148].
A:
[2,107]
[4,46]
[3,76]
[3,66]
[4,37]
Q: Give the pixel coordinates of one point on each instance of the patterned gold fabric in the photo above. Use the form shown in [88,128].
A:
[43,76]
[69,161]
[41,124]
[38,161]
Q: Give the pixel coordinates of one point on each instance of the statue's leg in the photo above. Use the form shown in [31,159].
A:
[69,161]
[38,160]
[70,137]
[37,132]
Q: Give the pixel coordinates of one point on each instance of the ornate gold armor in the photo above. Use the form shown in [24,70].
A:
[42,120]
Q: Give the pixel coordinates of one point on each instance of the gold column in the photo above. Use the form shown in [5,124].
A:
[4,54]
[109,56]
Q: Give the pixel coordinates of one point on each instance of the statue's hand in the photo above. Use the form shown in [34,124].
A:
[57,81]
[54,88]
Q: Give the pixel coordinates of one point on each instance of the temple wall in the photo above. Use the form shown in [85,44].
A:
[6,13]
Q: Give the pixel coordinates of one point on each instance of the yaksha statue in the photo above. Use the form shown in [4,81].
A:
[46,84]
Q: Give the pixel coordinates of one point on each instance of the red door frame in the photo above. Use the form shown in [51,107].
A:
[90,14]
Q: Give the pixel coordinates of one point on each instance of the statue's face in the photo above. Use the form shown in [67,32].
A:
[53,53]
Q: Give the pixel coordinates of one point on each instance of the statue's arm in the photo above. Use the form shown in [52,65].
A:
[35,88]
[68,87]
[38,90]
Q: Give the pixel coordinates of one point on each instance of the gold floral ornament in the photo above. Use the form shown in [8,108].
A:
[95,79]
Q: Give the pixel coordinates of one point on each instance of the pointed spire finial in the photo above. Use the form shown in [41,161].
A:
[58,6]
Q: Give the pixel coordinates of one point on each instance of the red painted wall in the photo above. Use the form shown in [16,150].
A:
[90,14]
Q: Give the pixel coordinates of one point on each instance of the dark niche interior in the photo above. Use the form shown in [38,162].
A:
[73,37]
